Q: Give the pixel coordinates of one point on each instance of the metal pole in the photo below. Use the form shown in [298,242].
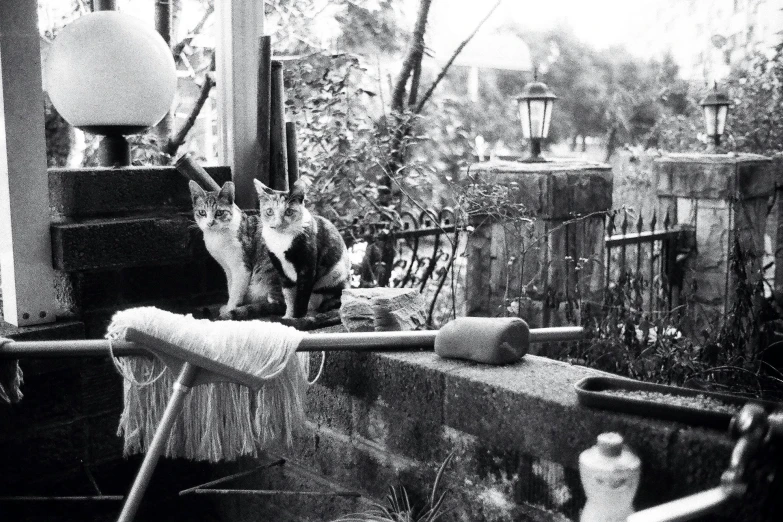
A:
[114,151]
[326,342]
[684,508]
[104,5]
[187,377]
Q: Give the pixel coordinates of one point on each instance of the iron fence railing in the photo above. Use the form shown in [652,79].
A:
[416,250]
[646,266]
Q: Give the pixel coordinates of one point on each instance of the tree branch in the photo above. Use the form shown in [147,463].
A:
[414,55]
[178,139]
[456,53]
[180,46]
[415,80]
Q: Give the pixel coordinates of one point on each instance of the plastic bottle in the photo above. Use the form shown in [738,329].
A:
[610,476]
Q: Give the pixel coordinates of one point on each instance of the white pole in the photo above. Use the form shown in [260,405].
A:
[239,25]
[25,246]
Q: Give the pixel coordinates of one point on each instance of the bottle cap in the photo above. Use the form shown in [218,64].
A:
[610,444]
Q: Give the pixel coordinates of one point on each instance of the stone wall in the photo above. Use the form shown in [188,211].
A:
[698,190]
[725,198]
[381,420]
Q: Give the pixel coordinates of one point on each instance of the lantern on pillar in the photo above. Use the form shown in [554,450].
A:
[716,108]
[110,74]
[535,112]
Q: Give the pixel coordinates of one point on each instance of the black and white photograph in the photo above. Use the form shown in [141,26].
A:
[391,260]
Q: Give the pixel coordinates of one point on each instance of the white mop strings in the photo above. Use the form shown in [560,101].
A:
[220,421]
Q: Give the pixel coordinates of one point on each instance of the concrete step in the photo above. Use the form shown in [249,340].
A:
[93,192]
[106,243]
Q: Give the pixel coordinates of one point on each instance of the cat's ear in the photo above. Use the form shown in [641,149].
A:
[227,192]
[298,191]
[196,191]
[262,190]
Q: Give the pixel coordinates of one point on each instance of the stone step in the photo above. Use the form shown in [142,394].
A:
[123,242]
[96,191]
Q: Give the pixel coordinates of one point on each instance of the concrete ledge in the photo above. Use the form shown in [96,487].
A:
[557,189]
[715,176]
[123,242]
[56,330]
[93,192]
[378,420]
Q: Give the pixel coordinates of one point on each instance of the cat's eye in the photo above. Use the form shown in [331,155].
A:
[268,212]
[219,213]
[202,213]
[289,212]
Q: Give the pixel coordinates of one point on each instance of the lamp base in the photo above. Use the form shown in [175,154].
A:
[114,151]
[535,152]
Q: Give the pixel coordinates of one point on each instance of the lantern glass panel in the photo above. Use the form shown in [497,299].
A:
[524,117]
[723,110]
[711,119]
[547,118]
[537,118]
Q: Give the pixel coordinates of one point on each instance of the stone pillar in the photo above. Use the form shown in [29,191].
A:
[725,198]
[541,269]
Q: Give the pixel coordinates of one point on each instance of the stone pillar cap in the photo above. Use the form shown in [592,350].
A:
[699,157]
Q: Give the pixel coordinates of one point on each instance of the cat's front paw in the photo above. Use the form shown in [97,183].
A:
[226,313]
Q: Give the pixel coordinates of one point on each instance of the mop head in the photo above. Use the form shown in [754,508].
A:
[10,378]
[220,421]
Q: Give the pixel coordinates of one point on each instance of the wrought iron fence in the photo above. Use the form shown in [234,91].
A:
[416,249]
[645,268]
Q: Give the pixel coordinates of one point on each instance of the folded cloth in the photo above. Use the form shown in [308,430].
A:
[10,377]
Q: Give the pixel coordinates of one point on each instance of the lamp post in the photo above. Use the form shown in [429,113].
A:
[535,112]
[110,74]
[716,108]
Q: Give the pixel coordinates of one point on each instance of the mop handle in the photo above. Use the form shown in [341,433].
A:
[185,380]
[323,342]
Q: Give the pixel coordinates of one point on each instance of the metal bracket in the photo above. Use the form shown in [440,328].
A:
[207,489]
[98,497]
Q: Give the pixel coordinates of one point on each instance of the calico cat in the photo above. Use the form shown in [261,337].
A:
[307,250]
[232,238]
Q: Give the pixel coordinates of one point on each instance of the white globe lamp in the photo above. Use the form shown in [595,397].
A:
[109,73]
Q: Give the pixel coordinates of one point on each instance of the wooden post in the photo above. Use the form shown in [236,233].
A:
[239,25]
[264,108]
[188,167]
[278,167]
[25,246]
[293,155]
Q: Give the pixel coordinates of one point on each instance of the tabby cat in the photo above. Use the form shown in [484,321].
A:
[307,250]
[233,240]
